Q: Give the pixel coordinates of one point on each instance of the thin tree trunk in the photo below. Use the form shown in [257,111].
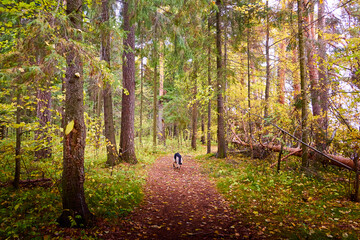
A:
[281,73]
[194,111]
[160,122]
[303,83]
[127,144]
[75,208]
[249,90]
[43,113]
[141,86]
[267,85]
[155,100]
[202,140]
[311,63]
[296,77]
[16,182]
[220,88]
[323,82]
[209,103]
[107,94]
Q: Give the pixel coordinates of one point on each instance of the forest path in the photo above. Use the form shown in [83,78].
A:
[181,205]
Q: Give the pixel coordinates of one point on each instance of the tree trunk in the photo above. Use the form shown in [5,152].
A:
[127,144]
[311,63]
[208,147]
[347,162]
[202,130]
[267,85]
[220,87]
[43,113]
[75,209]
[281,73]
[16,182]
[249,88]
[303,83]
[323,82]
[155,100]
[141,87]
[194,111]
[160,122]
[296,77]
[107,94]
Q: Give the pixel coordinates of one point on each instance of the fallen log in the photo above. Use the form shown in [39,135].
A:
[333,159]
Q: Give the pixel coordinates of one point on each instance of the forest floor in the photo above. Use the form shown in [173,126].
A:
[181,204]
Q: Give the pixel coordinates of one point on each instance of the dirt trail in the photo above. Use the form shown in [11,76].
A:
[182,205]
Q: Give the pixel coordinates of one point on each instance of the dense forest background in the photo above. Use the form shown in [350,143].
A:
[91,91]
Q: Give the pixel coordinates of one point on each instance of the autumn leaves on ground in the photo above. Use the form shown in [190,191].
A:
[181,204]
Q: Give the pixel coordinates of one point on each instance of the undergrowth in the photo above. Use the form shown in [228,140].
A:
[289,204]
[111,193]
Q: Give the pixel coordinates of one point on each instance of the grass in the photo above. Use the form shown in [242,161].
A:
[111,193]
[289,204]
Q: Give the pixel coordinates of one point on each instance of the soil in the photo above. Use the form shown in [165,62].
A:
[182,204]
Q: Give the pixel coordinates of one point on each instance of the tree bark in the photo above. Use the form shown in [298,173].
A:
[303,83]
[249,88]
[107,93]
[281,73]
[194,111]
[75,209]
[16,182]
[267,85]
[127,144]
[311,63]
[220,87]
[202,140]
[43,113]
[160,122]
[155,110]
[208,146]
[298,152]
[323,81]
[141,86]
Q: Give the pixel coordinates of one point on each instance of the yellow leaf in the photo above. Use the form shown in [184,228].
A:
[77,74]
[69,127]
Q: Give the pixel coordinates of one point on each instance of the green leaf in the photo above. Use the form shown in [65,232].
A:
[17,206]
[69,127]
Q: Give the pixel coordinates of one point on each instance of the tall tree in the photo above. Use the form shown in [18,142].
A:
[221,153]
[127,144]
[303,83]
[249,85]
[311,63]
[107,93]
[267,85]
[208,148]
[75,209]
[161,121]
[281,72]
[194,115]
[155,109]
[16,182]
[141,84]
[323,82]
